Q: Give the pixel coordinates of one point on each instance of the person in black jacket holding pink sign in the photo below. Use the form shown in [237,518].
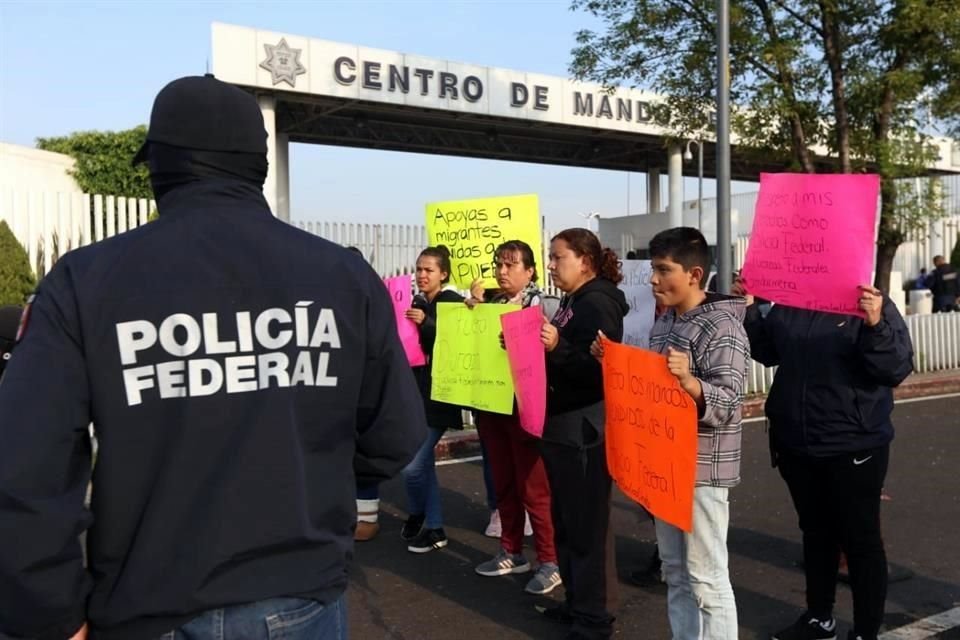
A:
[830,431]
[573,443]
[424,527]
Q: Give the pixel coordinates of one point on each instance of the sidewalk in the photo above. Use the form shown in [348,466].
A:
[466,443]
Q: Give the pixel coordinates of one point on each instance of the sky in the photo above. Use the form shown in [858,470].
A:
[72,66]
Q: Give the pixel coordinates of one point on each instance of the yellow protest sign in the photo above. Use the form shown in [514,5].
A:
[472,230]
[470,368]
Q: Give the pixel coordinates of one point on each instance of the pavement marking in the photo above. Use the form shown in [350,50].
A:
[922,398]
[745,421]
[441,463]
[925,628]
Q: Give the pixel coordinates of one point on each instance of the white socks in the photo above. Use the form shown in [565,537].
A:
[368,510]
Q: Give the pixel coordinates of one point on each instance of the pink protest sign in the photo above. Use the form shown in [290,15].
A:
[528,365]
[813,239]
[400,293]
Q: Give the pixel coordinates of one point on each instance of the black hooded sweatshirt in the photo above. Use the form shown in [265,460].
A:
[574,377]
[241,375]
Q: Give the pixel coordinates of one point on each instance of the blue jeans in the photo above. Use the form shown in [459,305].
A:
[368,493]
[488,479]
[700,601]
[423,490]
[287,618]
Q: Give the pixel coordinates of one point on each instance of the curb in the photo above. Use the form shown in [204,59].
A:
[466,443]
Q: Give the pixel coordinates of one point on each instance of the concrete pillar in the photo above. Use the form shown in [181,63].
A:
[283,177]
[675,182]
[653,191]
[268,106]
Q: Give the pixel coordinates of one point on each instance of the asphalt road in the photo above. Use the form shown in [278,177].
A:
[399,595]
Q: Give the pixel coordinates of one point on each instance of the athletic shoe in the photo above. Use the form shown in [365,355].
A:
[809,628]
[494,527]
[545,580]
[412,527]
[428,540]
[502,564]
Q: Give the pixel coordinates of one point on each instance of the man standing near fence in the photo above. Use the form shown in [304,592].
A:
[944,285]
[237,392]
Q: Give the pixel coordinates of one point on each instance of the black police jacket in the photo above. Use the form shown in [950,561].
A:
[833,389]
[241,376]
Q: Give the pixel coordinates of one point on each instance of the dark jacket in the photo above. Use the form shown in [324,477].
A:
[944,284]
[833,390]
[574,377]
[237,391]
[440,415]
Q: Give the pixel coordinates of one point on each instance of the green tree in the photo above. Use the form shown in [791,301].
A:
[851,77]
[103,161]
[16,277]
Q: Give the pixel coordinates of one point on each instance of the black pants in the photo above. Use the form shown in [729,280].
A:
[580,485]
[838,501]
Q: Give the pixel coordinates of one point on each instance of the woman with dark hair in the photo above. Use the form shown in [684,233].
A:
[573,445]
[520,481]
[424,526]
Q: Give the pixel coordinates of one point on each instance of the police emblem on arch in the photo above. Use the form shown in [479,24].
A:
[283,63]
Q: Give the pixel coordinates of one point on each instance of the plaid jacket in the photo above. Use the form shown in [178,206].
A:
[713,334]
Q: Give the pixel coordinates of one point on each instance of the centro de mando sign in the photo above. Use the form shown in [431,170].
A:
[296,64]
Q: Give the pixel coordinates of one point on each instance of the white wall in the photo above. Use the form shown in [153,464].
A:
[28,169]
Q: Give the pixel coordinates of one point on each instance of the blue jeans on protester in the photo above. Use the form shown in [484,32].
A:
[288,618]
[368,493]
[423,490]
[488,479]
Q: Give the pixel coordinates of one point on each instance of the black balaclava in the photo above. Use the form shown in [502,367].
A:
[172,167]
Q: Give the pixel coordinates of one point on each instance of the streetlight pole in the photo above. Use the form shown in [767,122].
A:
[689,156]
[724,268]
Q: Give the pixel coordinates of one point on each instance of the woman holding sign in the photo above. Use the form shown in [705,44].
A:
[573,444]
[519,478]
[424,526]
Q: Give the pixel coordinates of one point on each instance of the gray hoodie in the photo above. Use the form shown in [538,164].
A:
[713,334]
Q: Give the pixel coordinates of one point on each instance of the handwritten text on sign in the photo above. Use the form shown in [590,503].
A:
[636,287]
[470,368]
[813,239]
[400,292]
[651,432]
[473,229]
[528,364]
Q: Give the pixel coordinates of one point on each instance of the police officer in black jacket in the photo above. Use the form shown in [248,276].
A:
[830,432]
[237,392]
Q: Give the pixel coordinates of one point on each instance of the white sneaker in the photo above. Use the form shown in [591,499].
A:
[494,528]
[527,527]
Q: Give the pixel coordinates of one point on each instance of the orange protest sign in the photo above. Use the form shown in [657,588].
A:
[651,432]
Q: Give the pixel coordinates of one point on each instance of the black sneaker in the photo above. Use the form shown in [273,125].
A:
[809,628]
[412,527]
[428,540]
[558,613]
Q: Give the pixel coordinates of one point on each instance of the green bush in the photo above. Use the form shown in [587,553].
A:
[103,160]
[16,277]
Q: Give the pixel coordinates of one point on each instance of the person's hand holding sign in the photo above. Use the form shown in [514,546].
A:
[678,362]
[549,335]
[871,303]
[417,315]
[596,347]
